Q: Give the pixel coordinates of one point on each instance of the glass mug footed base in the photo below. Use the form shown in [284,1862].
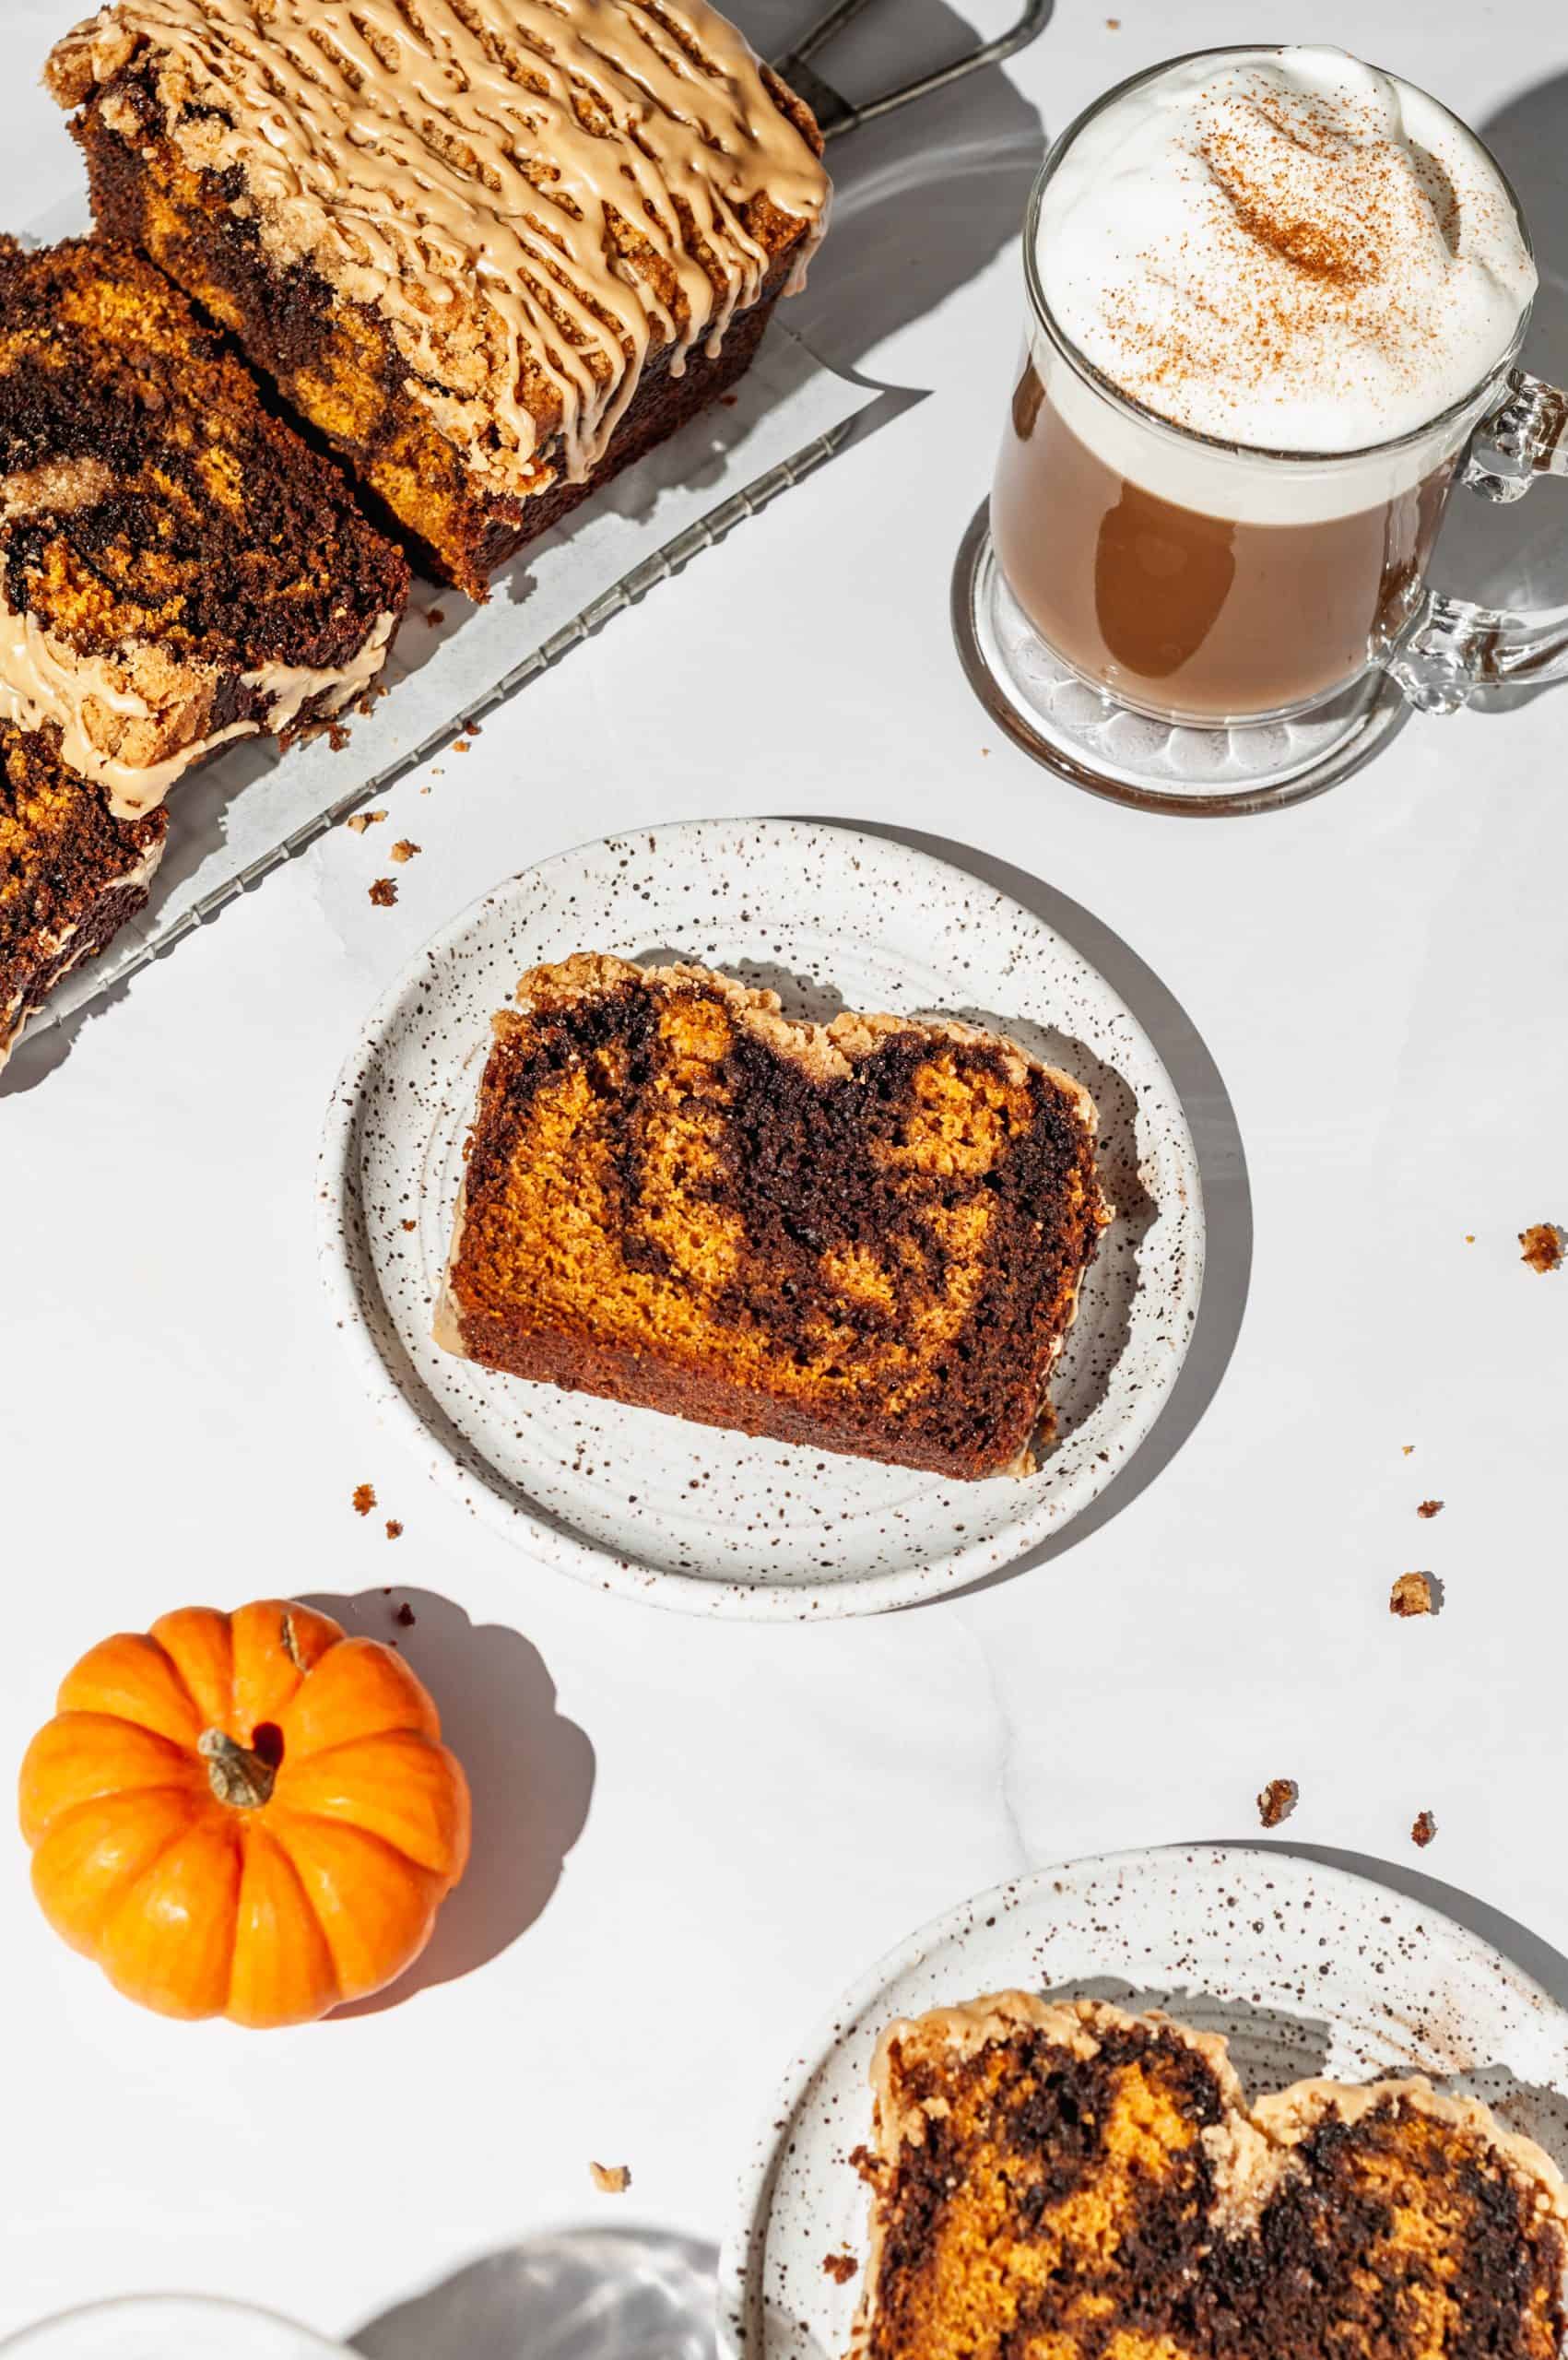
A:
[1094,740]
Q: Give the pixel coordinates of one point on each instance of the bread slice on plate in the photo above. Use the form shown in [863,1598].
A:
[1071,2180]
[866,1236]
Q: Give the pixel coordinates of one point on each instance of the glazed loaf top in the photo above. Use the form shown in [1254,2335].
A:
[534,196]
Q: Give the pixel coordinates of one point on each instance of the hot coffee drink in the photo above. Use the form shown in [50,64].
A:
[1274,291]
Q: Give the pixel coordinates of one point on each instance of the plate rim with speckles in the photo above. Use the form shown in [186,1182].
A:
[1054,980]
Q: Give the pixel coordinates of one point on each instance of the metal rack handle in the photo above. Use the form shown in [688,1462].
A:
[835,113]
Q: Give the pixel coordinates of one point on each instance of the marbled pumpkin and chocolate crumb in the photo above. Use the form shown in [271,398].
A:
[867,1236]
[1063,2181]
[70,873]
[177,569]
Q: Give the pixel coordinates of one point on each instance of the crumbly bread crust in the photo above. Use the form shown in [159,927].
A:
[866,1236]
[176,568]
[1052,2176]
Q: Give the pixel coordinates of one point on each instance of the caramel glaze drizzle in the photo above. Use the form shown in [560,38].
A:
[528,191]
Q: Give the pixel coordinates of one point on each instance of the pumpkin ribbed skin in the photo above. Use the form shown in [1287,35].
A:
[246,1815]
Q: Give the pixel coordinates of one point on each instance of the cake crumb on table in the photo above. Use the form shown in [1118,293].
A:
[1411,1594]
[840,2267]
[406,1616]
[1423,1829]
[383,893]
[360,821]
[1428,1508]
[1541,1246]
[435,617]
[1278,1801]
[395,1532]
[1406,1448]
[404,849]
[364,1498]
[611,2180]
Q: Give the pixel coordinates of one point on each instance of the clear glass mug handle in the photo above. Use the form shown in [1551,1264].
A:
[1450,650]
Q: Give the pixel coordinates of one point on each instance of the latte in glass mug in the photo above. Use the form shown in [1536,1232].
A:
[1273,291]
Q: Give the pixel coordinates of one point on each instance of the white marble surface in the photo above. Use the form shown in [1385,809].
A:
[1374,983]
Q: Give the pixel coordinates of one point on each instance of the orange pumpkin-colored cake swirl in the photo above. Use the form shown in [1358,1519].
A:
[866,1236]
[1072,2181]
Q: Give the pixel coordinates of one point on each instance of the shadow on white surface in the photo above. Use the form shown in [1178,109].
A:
[925,198]
[1227,1194]
[530,1771]
[586,2295]
[1518,555]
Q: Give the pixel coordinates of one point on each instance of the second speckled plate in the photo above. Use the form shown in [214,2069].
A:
[1302,1967]
[683,1515]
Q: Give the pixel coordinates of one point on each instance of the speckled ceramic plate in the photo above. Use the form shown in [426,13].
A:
[1304,1969]
[681,1513]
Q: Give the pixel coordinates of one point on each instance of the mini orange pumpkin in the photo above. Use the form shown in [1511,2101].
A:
[244,1815]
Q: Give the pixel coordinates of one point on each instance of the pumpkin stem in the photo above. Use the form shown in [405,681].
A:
[238,1776]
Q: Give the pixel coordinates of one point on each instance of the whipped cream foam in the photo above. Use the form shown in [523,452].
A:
[1284,248]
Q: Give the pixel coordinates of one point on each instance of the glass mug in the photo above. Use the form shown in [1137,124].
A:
[1211,652]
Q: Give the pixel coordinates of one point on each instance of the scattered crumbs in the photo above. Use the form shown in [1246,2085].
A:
[1541,1246]
[1428,1508]
[611,2179]
[1423,1829]
[840,2267]
[459,746]
[364,1498]
[435,617]
[1469,1237]
[395,1532]
[473,728]
[383,893]
[360,821]
[1411,1594]
[1278,1801]
[729,400]
[1407,1447]
[337,735]
[404,849]
[409,1225]
[406,1617]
